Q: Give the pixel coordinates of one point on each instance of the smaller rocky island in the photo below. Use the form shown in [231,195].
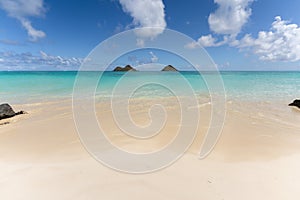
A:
[169,68]
[6,111]
[296,103]
[124,69]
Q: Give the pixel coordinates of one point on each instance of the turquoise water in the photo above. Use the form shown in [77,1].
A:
[28,87]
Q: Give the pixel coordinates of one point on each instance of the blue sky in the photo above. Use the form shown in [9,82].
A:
[238,34]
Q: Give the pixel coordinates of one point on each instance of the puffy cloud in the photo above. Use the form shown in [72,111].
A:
[280,43]
[210,41]
[146,13]
[227,20]
[43,61]
[207,41]
[21,10]
[230,16]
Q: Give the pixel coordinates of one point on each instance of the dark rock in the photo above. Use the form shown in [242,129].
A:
[169,68]
[295,103]
[124,69]
[6,111]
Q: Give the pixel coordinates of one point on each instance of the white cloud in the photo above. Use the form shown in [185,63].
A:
[210,41]
[32,32]
[230,16]
[140,42]
[146,13]
[207,41]
[22,10]
[43,61]
[153,58]
[58,61]
[280,43]
[227,20]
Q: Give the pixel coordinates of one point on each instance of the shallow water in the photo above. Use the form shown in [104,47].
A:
[27,87]
[257,94]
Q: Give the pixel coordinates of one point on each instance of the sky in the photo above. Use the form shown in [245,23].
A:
[237,34]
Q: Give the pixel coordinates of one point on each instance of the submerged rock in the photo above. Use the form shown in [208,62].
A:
[295,103]
[124,69]
[6,111]
[169,68]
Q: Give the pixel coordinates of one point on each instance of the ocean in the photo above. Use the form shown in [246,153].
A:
[33,87]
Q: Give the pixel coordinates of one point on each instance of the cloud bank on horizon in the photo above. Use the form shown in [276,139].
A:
[28,61]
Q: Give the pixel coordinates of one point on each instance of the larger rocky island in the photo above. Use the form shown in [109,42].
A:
[124,69]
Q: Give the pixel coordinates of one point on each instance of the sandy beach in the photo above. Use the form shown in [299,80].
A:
[149,100]
[43,158]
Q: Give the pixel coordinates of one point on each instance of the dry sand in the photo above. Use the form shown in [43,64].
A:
[41,157]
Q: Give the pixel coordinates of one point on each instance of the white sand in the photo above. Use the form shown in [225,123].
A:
[42,158]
